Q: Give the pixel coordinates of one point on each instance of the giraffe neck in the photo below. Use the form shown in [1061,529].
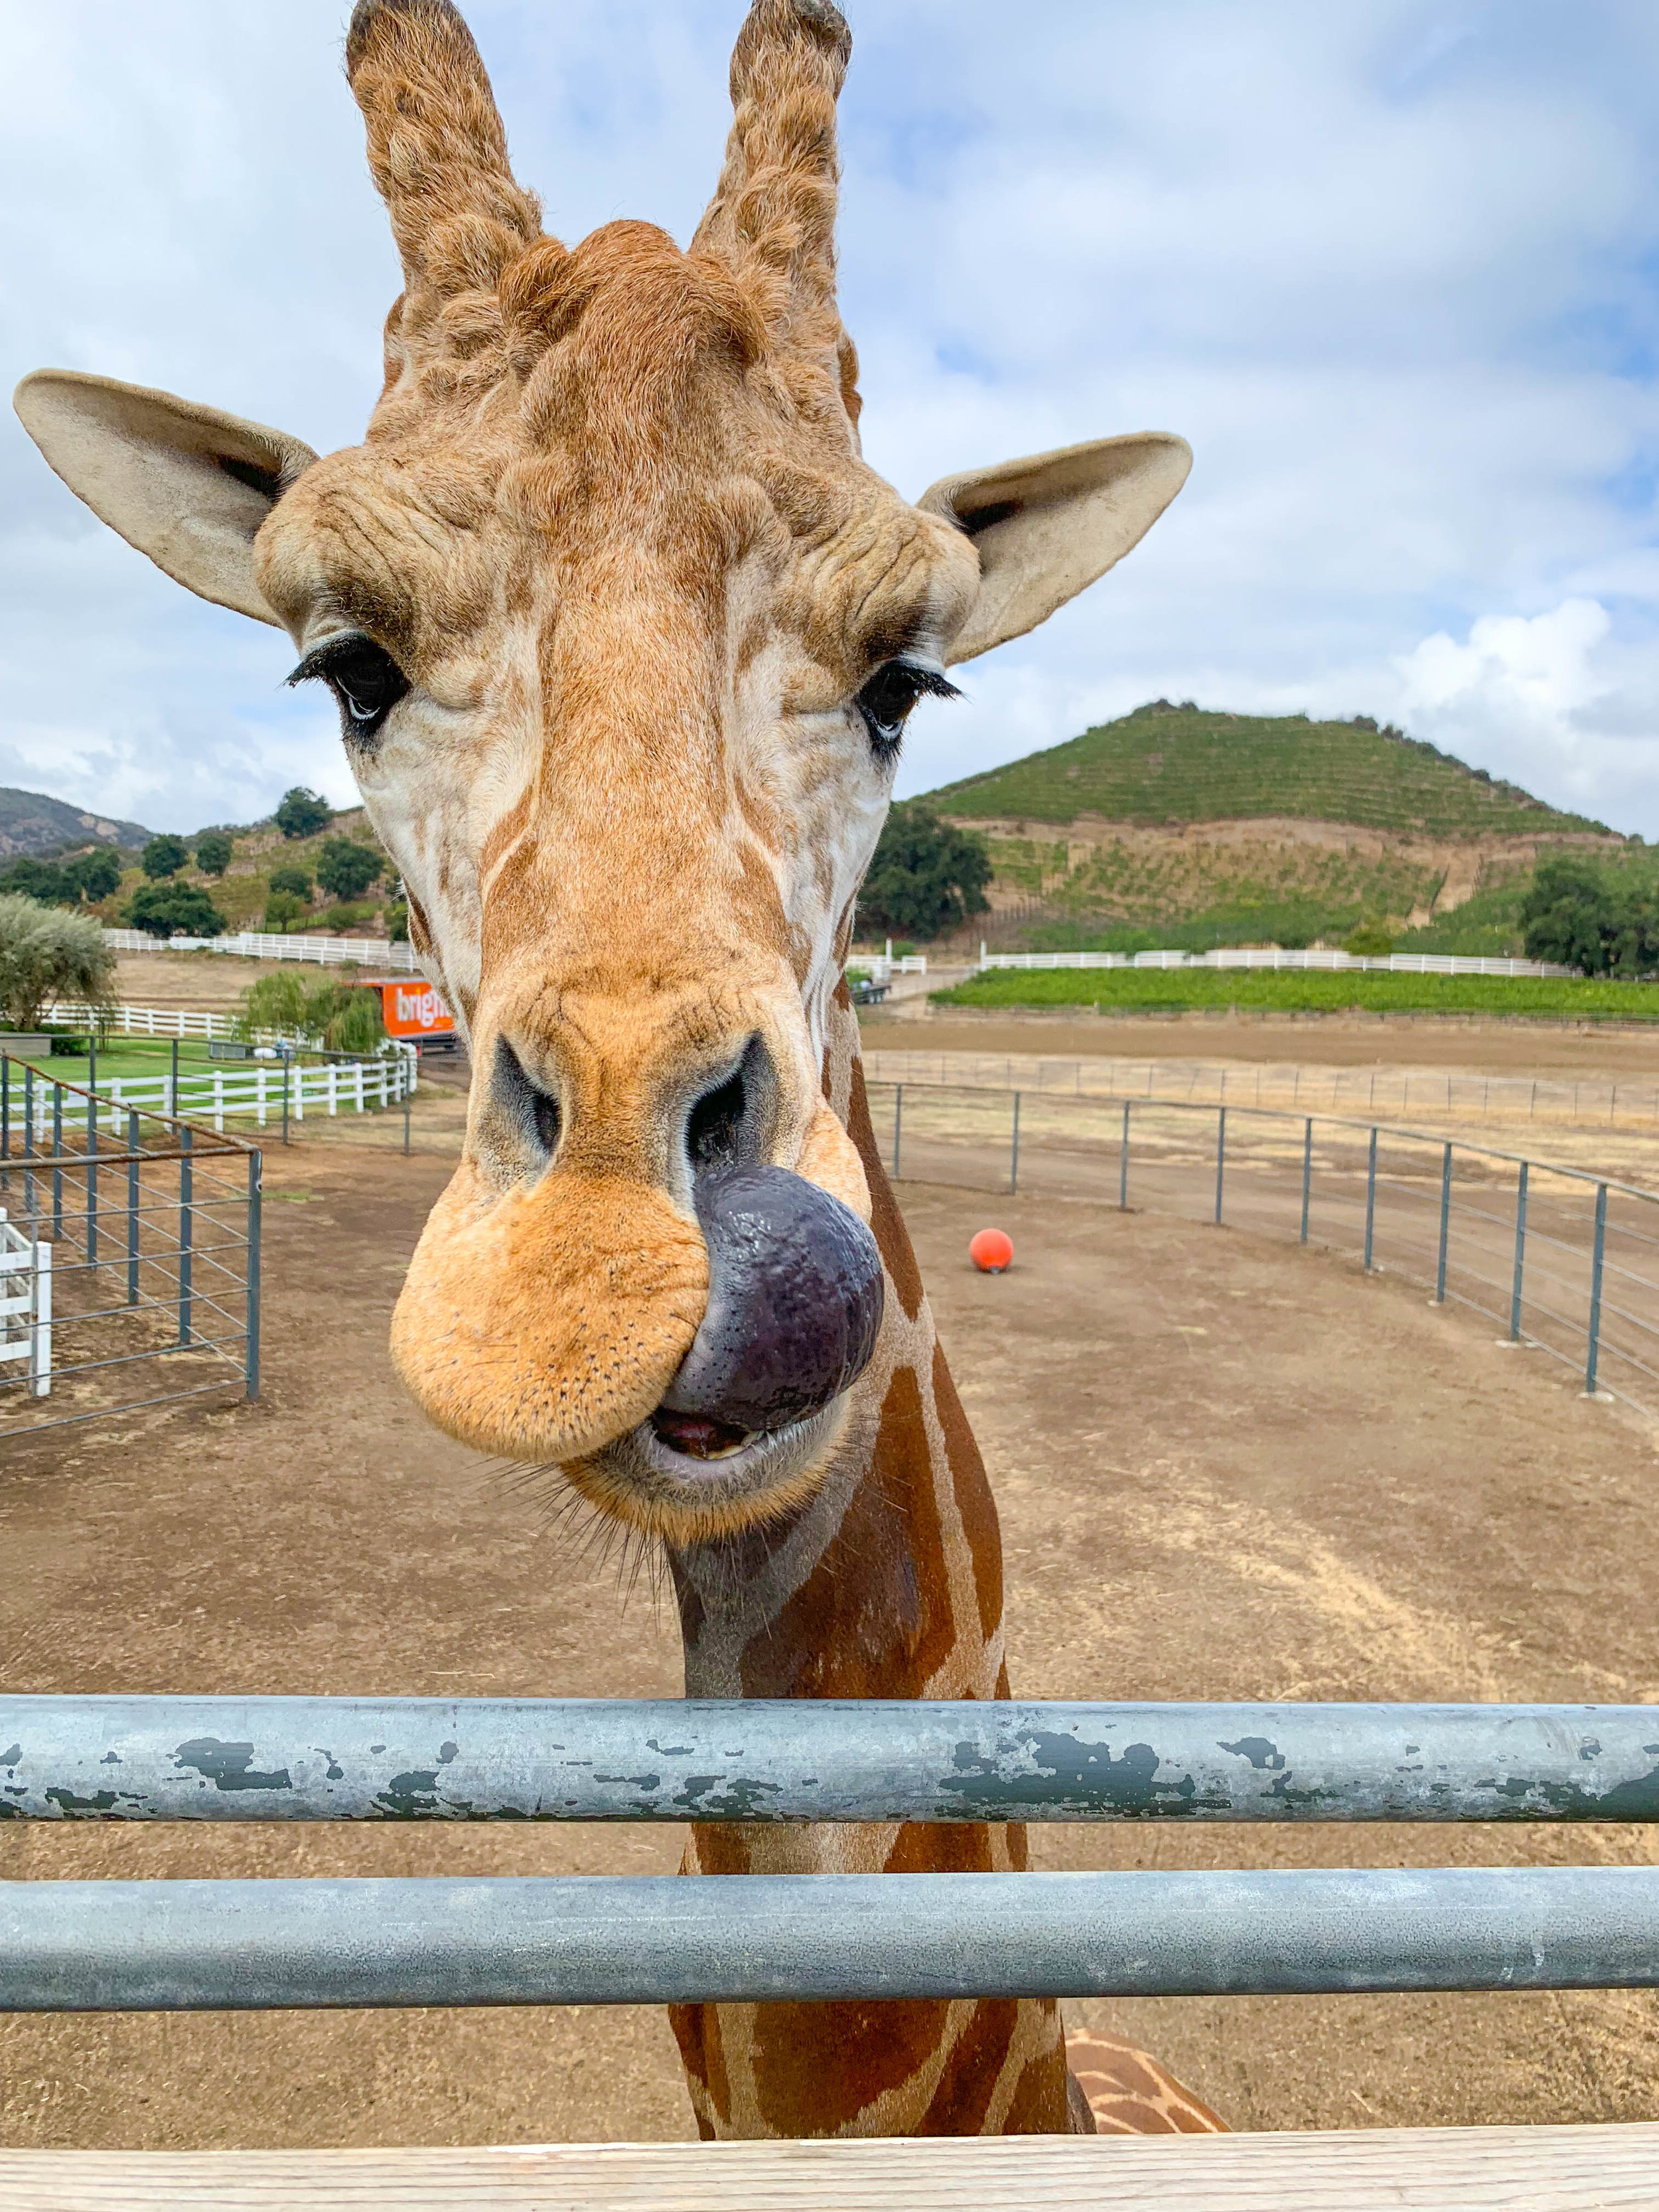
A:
[887,1584]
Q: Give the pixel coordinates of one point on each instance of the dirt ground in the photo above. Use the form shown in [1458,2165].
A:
[1324,1041]
[1226,1469]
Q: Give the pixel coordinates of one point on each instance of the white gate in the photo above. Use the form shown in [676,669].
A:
[26,1305]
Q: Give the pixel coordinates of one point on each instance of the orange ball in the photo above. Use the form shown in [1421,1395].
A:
[990,1251]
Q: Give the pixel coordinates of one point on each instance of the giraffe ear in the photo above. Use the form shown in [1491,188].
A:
[186,485]
[1048,527]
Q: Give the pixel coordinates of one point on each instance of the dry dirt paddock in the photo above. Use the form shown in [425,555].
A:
[1227,1469]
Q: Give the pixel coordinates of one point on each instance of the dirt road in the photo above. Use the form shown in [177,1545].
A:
[1226,1469]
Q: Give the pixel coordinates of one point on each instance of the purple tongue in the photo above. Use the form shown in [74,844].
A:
[794,1301]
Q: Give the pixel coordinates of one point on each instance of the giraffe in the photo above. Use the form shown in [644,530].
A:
[624,633]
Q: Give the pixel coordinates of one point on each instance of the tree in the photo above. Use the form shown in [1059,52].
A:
[345,869]
[214,849]
[44,881]
[96,875]
[283,909]
[1570,916]
[164,856]
[292,881]
[302,814]
[174,910]
[926,875]
[45,955]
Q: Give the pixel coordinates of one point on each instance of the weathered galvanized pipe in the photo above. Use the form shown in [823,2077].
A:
[356,1758]
[168,1946]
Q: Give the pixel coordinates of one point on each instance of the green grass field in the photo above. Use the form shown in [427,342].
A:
[1158,990]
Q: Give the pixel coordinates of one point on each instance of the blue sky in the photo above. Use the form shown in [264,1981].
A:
[1393,268]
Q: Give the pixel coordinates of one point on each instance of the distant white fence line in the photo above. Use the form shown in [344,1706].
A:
[1393,963]
[258,945]
[254,1091]
[144,1021]
[880,967]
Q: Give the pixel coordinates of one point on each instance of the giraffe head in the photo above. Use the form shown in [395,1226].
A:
[624,633]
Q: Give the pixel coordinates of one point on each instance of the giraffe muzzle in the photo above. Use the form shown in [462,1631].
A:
[795,1298]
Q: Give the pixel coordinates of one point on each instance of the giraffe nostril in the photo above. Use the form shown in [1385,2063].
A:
[534,1112]
[795,1293]
[731,1126]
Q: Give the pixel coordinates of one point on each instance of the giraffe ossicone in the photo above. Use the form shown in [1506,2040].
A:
[624,633]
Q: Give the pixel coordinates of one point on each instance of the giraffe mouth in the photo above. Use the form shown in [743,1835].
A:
[694,1437]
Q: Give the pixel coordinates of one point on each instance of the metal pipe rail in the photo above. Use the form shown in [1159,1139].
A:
[772,1760]
[174,1946]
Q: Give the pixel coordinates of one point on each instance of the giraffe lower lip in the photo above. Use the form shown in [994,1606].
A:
[694,1437]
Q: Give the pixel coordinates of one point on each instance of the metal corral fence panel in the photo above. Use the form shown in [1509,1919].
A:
[1372,1092]
[782,1760]
[147,1229]
[97,1946]
[175,1946]
[1559,1258]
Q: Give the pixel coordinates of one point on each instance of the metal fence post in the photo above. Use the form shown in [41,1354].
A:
[1370,1199]
[288,1065]
[28,1146]
[92,1149]
[1123,1163]
[186,1231]
[1013,1155]
[1593,1353]
[1307,1174]
[898,1125]
[173,1082]
[1445,1227]
[56,1172]
[403,1078]
[5,1117]
[1520,1252]
[255,1193]
[132,1208]
[1220,1156]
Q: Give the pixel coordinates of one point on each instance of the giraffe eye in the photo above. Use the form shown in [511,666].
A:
[888,695]
[366,681]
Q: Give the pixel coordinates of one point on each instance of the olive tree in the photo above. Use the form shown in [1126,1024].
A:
[47,954]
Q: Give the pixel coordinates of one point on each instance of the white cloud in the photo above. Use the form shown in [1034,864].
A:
[1388,268]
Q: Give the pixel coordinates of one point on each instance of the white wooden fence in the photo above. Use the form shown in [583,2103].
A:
[254,1091]
[26,1305]
[258,945]
[142,1021]
[1393,963]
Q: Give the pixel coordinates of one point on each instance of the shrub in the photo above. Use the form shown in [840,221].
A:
[396,923]
[1371,941]
[293,880]
[164,856]
[174,910]
[214,851]
[283,909]
[302,814]
[96,875]
[926,875]
[346,869]
[346,1016]
[46,954]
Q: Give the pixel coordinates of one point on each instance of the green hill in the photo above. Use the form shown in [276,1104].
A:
[1165,765]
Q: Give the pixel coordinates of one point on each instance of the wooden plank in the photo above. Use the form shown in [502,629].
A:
[1544,2169]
